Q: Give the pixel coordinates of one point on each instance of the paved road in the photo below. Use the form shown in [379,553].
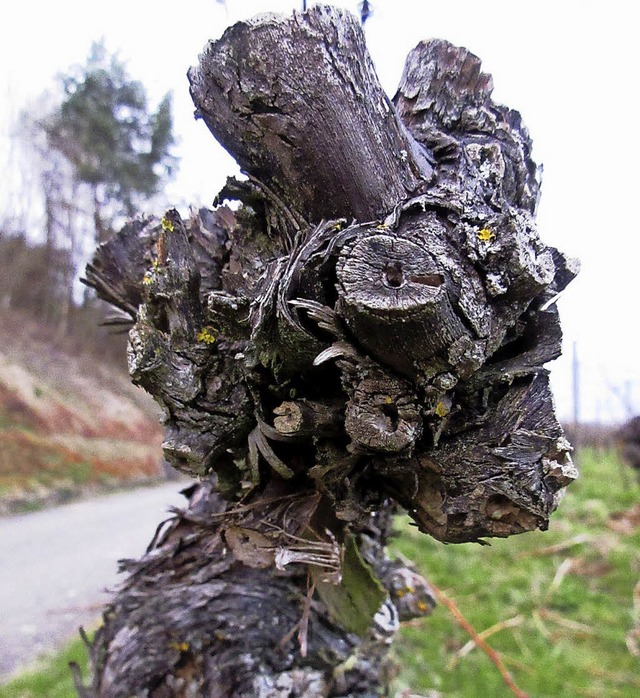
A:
[55,566]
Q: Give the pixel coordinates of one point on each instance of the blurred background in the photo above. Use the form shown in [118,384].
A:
[567,67]
[96,125]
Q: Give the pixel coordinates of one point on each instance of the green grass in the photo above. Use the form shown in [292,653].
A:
[572,608]
[50,678]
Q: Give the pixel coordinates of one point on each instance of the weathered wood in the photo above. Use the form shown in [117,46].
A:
[482,149]
[198,616]
[297,102]
[384,278]
[370,327]
[308,418]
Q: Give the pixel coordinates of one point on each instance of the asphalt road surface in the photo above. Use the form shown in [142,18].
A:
[56,565]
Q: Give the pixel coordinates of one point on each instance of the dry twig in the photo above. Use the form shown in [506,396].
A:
[466,649]
[490,652]
[632,638]
[567,623]
[559,576]
[558,547]
[304,621]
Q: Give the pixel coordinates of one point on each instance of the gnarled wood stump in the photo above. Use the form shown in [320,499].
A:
[367,329]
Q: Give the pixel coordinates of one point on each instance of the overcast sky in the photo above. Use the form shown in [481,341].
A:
[571,68]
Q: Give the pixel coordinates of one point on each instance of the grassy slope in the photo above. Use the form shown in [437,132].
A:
[573,607]
[68,420]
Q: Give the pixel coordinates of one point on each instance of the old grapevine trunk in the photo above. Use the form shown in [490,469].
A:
[367,329]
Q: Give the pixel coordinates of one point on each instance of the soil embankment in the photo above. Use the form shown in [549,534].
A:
[69,422]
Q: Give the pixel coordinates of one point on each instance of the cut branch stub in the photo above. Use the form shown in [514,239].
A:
[383,414]
[482,150]
[394,299]
[297,102]
[308,418]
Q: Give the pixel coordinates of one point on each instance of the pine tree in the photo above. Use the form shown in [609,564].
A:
[116,146]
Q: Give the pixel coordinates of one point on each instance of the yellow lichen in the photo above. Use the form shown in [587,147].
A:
[423,606]
[167,225]
[441,409]
[486,235]
[206,335]
[179,646]
[147,278]
[403,592]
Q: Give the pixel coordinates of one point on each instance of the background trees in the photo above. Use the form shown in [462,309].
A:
[96,153]
[115,145]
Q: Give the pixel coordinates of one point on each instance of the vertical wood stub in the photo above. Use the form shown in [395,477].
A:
[297,101]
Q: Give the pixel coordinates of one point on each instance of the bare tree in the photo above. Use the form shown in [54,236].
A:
[368,329]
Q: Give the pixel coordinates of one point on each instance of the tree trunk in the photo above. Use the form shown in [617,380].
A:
[368,329]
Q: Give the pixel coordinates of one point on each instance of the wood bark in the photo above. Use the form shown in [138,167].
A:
[367,330]
[628,438]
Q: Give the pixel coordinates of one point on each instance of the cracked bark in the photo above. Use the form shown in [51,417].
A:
[369,328]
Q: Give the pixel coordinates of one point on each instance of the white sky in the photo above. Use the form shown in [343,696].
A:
[571,68]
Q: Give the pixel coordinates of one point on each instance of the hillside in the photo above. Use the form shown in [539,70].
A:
[69,421]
